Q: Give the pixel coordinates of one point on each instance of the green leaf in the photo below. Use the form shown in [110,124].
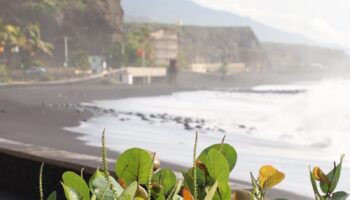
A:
[336,175]
[70,193]
[178,188]
[227,150]
[52,196]
[211,193]
[200,177]
[340,196]
[189,181]
[174,193]
[98,185]
[223,194]
[188,177]
[157,192]
[129,192]
[333,176]
[166,178]
[217,167]
[75,182]
[134,165]
[159,196]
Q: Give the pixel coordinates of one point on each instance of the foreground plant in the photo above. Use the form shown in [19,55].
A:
[209,177]
[139,177]
[327,183]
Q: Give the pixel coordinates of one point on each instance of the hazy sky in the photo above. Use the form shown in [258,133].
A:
[326,21]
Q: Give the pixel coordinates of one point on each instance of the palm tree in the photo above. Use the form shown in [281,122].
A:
[12,38]
[34,43]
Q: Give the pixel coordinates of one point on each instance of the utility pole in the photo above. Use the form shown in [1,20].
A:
[123,54]
[143,58]
[65,51]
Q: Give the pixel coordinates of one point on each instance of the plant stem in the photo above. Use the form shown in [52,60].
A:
[41,182]
[149,185]
[195,167]
[105,165]
[222,142]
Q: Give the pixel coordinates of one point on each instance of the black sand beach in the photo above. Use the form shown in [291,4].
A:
[36,114]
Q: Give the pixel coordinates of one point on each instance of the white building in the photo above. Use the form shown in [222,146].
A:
[164,45]
[140,75]
[231,68]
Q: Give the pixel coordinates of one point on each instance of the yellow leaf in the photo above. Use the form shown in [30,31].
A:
[269,176]
[320,176]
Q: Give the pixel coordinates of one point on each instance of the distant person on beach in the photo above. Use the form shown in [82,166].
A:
[223,71]
[172,72]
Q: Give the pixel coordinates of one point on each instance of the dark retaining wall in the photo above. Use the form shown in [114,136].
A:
[20,177]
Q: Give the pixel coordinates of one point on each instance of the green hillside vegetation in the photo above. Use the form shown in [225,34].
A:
[201,44]
[88,25]
[21,48]
[198,44]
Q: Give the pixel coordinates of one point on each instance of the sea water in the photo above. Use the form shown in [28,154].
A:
[288,126]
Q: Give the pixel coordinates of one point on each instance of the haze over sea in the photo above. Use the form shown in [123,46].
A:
[288,126]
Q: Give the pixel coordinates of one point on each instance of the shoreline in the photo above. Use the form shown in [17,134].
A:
[37,114]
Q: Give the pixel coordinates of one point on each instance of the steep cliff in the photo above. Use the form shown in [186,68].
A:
[221,44]
[91,29]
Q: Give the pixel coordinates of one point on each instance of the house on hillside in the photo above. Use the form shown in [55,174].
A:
[164,44]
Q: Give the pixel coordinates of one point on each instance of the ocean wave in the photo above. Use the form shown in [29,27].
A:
[288,129]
